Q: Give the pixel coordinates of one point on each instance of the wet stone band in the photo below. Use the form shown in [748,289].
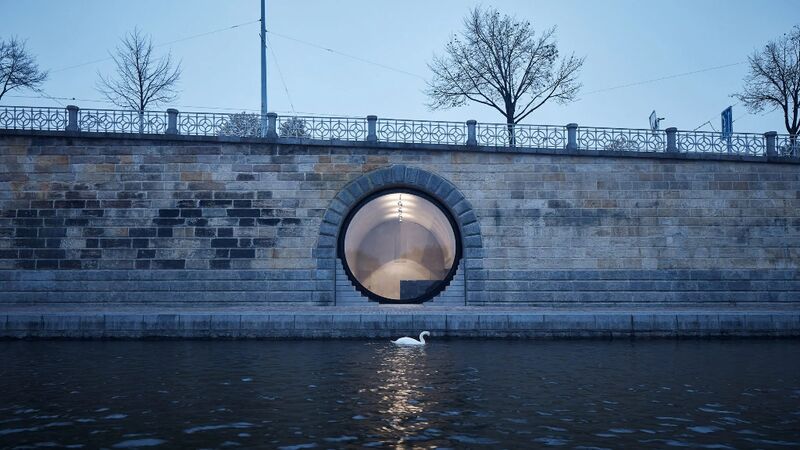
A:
[349,324]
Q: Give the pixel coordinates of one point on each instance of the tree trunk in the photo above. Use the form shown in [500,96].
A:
[512,138]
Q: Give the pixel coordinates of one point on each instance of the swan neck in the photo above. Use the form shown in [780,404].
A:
[422,337]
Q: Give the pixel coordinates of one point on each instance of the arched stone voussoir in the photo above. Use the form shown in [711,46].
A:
[378,177]
[346,199]
[468,217]
[398,173]
[444,189]
[411,176]
[340,204]
[332,215]
[473,252]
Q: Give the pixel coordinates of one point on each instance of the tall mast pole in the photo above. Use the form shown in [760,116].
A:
[264,109]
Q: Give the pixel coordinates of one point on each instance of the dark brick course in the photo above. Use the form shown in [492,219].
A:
[224,242]
[242,253]
[168,264]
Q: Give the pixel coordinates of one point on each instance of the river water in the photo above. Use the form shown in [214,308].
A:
[357,394]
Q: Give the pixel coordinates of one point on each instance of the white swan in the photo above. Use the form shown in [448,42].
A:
[411,341]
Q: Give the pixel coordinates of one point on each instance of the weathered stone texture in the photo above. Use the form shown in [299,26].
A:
[385,324]
[105,220]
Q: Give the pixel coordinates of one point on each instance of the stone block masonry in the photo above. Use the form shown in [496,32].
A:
[90,219]
[384,324]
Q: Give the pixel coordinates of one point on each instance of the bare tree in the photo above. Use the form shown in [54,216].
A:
[503,63]
[241,124]
[18,69]
[141,79]
[246,124]
[774,81]
[622,144]
[293,127]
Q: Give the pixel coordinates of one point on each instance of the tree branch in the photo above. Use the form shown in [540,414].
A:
[141,80]
[499,61]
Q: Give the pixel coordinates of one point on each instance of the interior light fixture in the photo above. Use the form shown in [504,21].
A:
[400,207]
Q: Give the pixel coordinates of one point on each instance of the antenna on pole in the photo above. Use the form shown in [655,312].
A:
[655,121]
[264,109]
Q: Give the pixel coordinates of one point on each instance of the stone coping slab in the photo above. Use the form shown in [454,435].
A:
[187,308]
[392,322]
[383,145]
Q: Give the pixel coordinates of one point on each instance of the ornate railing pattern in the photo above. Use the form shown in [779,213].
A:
[216,124]
[531,136]
[708,142]
[114,121]
[621,139]
[322,128]
[373,129]
[785,145]
[33,118]
[421,131]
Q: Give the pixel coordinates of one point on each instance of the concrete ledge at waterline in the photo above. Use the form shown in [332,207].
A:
[320,324]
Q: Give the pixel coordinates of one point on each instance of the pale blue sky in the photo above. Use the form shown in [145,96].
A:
[624,41]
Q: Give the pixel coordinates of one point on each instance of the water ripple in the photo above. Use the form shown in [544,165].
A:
[296,395]
[237,425]
[135,443]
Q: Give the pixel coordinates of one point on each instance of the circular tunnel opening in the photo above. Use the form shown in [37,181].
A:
[400,246]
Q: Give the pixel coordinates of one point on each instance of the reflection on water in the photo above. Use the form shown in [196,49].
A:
[347,394]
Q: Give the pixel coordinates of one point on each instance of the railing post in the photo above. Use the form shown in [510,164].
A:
[771,137]
[72,118]
[672,140]
[572,136]
[472,135]
[372,129]
[272,128]
[172,121]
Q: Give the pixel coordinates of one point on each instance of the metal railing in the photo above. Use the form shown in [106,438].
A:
[33,118]
[532,136]
[421,131]
[371,129]
[218,124]
[322,128]
[785,145]
[254,125]
[115,121]
[621,139]
[708,142]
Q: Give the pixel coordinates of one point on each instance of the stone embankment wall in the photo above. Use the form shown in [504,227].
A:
[121,220]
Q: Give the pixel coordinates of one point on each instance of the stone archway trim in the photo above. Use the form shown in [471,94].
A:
[399,176]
